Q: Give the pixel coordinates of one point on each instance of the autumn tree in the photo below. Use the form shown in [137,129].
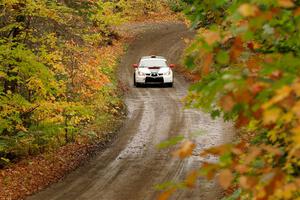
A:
[248,55]
[57,69]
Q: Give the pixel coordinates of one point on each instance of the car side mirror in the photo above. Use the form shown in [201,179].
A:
[135,66]
[172,65]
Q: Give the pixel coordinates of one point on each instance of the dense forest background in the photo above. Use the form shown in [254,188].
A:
[57,70]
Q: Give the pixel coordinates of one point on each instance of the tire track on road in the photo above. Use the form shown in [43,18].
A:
[132,165]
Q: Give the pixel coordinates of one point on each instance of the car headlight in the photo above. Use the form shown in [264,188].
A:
[167,73]
[141,73]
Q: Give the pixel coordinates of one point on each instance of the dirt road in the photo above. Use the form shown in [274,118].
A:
[131,167]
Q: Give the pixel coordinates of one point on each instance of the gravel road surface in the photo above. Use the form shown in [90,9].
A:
[132,165]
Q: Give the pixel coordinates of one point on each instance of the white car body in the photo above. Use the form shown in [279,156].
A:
[153,70]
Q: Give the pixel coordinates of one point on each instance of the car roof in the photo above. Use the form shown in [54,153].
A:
[153,57]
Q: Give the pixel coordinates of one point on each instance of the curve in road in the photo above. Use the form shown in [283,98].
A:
[131,167]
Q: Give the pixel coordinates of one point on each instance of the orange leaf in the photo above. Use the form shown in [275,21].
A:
[288,102]
[242,120]
[271,149]
[211,37]
[227,103]
[296,130]
[185,150]
[286,3]
[297,12]
[243,96]
[241,169]
[247,182]
[248,10]
[254,152]
[256,88]
[166,195]
[191,179]
[219,150]
[253,64]
[225,178]
[237,49]
[237,151]
[207,62]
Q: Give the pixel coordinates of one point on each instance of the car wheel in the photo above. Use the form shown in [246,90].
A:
[170,84]
[134,82]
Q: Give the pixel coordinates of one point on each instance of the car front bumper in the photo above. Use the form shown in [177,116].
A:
[154,79]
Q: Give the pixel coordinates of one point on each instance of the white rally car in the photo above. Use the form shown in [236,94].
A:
[153,70]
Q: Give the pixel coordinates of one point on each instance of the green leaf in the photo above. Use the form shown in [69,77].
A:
[222,57]
[170,142]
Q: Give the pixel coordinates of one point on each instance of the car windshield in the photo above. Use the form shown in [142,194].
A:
[153,63]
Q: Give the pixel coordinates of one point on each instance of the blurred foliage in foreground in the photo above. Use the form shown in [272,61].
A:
[57,70]
[248,54]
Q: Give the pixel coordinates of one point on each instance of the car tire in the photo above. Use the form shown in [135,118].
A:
[168,85]
[134,82]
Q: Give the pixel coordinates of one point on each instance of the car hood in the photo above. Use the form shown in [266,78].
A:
[154,70]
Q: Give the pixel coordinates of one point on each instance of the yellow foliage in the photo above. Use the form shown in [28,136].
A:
[281,94]
[248,10]
[271,115]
